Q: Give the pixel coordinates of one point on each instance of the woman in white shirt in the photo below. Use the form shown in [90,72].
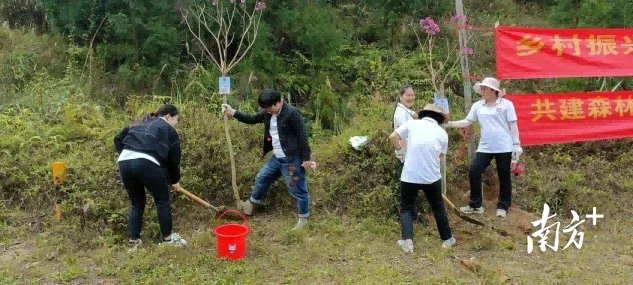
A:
[427,141]
[499,141]
[403,113]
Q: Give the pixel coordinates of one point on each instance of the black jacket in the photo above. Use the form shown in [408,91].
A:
[292,133]
[156,138]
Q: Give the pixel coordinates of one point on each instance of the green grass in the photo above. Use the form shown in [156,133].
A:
[332,250]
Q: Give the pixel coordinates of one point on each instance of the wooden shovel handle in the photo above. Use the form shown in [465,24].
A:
[193,197]
[448,201]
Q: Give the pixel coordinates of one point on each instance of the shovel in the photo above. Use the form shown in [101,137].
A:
[455,209]
[218,210]
[460,214]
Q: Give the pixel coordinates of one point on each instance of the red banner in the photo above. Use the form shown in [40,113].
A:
[573,117]
[527,53]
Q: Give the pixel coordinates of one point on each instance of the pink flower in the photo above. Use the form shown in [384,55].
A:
[260,6]
[459,19]
[467,51]
[429,26]
[214,2]
[243,1]
[232,1]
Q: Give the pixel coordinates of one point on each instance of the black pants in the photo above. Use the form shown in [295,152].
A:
[479,165]
[138,174]
[414,216]
[433,192]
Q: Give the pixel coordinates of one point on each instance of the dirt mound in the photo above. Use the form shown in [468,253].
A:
[490,187]
[517,224]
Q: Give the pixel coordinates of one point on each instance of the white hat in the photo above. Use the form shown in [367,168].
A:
[488,82]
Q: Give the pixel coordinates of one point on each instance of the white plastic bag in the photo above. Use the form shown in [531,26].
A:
[358,142]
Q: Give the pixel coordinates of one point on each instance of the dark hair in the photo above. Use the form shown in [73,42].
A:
[404,89]
[439,118]
[496,92]
[400,92]
[268,98]
[166,109]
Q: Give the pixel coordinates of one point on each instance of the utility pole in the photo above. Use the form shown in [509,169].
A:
[459,7]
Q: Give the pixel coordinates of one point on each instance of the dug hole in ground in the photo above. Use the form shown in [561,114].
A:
[516,225]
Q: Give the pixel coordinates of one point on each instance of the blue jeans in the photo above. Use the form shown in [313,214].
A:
[294,177]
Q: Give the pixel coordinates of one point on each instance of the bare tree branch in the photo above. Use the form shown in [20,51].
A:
[203,46]
[216,37]
[223,40]
[243,20]
[225,36]
[250,42]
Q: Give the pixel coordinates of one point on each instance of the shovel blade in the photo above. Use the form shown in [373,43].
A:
[467,218]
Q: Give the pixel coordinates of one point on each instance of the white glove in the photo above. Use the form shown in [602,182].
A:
[400,154]
[227,109]
[516,152]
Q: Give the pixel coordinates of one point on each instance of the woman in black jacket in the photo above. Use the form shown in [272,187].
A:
[150,158]
[118,140]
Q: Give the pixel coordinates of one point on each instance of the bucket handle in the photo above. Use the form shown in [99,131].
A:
[236,212]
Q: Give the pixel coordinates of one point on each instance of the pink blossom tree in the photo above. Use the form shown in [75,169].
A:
[438,70]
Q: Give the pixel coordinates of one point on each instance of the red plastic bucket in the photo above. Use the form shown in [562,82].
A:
[231,238]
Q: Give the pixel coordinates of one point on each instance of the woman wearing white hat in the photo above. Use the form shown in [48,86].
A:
[427,141]
[499,141]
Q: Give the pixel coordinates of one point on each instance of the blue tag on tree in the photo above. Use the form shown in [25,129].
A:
[225,85]
[442,102]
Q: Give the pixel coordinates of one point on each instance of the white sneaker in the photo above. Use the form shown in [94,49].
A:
[501,213]
[247,207]
[302,222]
[449,242]
[134,244]
[469,210]
[406,245]
[174,240]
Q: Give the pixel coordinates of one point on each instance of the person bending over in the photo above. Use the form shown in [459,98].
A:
[150,158]
[427,141]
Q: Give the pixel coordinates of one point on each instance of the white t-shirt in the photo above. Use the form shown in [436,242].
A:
[127,154]
[494,120]
[401,115]
[274,133]
[426,140]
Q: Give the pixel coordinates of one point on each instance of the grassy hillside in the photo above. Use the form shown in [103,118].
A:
[60,102]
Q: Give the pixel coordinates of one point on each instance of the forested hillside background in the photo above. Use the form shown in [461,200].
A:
[72,73]
[360,47]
